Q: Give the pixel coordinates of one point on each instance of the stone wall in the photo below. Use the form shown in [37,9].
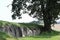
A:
[20,31]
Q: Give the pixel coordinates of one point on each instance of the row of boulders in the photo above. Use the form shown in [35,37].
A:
[20,31]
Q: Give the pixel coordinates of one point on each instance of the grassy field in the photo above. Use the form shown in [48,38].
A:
[53,35]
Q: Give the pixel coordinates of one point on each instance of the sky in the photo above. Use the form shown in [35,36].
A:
[5,13]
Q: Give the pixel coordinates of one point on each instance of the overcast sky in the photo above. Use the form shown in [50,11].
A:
[5,13]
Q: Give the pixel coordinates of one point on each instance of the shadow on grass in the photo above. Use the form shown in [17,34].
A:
[3,36]
[47,34]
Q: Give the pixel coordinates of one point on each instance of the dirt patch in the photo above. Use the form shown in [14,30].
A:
[56,27]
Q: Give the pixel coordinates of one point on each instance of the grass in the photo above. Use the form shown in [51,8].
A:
[5,23]
[53,35]
[3,36]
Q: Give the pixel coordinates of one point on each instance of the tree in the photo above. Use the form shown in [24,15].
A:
[47,10]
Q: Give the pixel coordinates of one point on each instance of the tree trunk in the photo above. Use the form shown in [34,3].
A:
[46,16]
[47,20]
[47,25]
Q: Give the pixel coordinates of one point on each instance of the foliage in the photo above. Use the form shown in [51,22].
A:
[46,10]
[36,8]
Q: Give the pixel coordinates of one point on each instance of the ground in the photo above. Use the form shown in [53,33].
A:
[54,35]
[56,27]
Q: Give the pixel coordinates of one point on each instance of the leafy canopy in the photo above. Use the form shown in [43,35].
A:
[51,7]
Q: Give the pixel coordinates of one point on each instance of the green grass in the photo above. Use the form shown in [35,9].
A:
[3,36]
[5,23]
[53,35]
